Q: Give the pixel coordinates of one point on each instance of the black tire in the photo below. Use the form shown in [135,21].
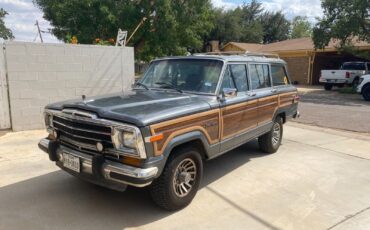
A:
[328,86]
[355,82]
[268,142]
[366,92]
[163,190]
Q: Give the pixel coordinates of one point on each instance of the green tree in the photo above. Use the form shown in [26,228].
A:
[239,25]
[172,26]
[301,28]
[5,33]
[342,20]
[275,27]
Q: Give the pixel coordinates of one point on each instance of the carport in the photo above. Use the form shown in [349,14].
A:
[330,60]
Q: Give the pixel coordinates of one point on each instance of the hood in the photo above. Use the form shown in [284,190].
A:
[140,107]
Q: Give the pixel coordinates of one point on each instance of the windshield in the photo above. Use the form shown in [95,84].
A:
[353,66]
[195,75]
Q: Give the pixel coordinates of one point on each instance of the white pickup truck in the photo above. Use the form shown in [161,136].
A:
[348,74]
[364,87]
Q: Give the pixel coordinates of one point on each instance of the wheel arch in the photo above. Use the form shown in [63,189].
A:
[191,139]
[364,86]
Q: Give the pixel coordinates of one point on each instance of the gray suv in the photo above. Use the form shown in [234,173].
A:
[184,110]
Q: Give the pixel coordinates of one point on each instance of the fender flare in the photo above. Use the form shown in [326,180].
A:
[182,139]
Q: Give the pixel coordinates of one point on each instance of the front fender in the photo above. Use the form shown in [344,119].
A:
[182,139]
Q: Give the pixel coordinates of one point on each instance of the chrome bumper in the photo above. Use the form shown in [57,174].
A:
[110,171]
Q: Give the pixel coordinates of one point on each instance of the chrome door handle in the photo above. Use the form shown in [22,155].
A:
[273,90]
[252,94]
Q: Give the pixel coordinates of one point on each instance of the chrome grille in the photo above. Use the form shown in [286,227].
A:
[82,134]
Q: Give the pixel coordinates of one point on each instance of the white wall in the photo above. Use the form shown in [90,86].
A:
[4,101]
[39,74]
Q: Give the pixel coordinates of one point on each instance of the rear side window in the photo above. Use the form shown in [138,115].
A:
[368,66]
[259,75]
[279,76]
[239,73]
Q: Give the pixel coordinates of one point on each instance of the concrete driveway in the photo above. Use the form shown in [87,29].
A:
[332,109]
[319,179]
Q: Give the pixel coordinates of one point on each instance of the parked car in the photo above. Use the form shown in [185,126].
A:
[183,111]
[364,87]
[349,74]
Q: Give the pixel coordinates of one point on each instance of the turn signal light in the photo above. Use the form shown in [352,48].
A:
[156,138]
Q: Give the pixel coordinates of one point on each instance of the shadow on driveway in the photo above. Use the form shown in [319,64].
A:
[60,201]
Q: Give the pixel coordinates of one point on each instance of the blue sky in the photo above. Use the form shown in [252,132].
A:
[23,14]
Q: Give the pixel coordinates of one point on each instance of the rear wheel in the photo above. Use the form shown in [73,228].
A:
[180,180]
[366,92]
[328,86]
[270,142]
[355,82]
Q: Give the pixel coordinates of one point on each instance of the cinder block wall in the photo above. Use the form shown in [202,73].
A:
[39,74]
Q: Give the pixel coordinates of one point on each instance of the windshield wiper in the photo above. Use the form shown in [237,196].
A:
[141,84]
[169,85]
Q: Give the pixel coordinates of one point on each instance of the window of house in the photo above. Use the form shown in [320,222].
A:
[279,76]
[260,76]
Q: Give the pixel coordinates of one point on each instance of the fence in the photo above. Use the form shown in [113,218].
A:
[39,74]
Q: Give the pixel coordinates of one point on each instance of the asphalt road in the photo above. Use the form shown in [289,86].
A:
[332,109]
[319,179]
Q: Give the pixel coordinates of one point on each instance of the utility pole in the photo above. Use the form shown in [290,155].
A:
[39,31]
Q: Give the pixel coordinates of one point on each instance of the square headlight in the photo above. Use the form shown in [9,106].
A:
[129,140]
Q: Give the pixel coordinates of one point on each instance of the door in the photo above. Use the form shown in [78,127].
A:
[239,113]
[4,101]
[268,98]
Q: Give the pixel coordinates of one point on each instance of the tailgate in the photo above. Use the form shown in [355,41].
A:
[333,74]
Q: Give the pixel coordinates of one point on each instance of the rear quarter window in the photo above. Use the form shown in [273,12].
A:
[279,75]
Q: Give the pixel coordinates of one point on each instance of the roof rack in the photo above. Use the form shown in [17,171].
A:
[240,53]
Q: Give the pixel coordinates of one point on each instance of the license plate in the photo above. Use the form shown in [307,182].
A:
[330,80]
[71,162]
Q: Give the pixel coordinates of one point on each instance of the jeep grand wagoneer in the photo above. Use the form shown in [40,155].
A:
[184,110]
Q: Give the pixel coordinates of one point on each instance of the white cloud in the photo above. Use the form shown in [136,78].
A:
[291,8]
[224,4]
[21,19]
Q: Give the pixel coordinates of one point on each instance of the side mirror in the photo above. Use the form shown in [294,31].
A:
[229,92]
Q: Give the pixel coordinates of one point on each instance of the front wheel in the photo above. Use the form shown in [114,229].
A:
[179,181]
[366,92]
[270,142]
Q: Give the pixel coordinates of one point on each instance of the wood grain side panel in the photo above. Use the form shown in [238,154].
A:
[206,122]
[239,118]
[267,107]
[287,99]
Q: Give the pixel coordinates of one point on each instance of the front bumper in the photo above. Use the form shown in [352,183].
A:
[98,170]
